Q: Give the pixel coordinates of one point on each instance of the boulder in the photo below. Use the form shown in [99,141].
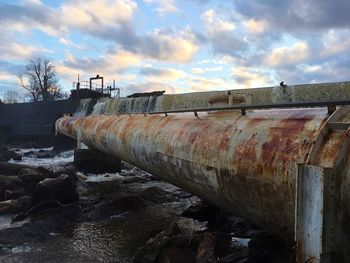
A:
[15,206]
[13,194]
[30,175]
[9,183]
[6,154]
[62,189]
[205,251]
[10,168]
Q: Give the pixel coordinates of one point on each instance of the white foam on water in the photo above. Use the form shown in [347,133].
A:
[21,249]
[28,150]
[6,222]
[103,177]
[58,160]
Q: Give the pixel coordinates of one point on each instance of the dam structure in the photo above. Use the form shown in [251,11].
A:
[279,160]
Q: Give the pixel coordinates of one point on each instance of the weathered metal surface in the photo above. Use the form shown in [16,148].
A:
[247,164]
[315,203]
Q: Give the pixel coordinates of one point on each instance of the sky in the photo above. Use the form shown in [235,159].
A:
[178,45]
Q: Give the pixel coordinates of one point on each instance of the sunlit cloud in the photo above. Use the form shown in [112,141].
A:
[288,55]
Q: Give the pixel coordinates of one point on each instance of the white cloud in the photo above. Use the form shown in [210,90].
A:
[250,77]
[158,75]
[178,48]
[198,70]
[335,42]
[214,23]
[97,14]
[288,55]
[255,26]
[165,6]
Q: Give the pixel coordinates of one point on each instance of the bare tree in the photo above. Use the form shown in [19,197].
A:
[40,81]
[11,96]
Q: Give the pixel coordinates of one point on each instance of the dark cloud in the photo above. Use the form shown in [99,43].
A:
[28,13]
[152,72]
[297,15]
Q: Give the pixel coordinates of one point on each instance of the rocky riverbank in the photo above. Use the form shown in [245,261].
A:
[53,213]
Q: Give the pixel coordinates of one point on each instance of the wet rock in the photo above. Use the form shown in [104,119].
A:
[22,203]
[157,195]
[205,251]
[6,207]
[13,194]
[39,228]
[205,212]
[41,154]
[239,256]
[175,254]
[9,183]
[154,246]
[31,176]
[108,208]
[266,247]
[181,238]
[6,154]
[14,206]
[62,189]
[11,168]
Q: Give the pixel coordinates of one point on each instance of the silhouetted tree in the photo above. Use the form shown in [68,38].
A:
[40,81]
[11,96]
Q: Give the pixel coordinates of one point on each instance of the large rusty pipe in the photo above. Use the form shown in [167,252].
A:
[246,164]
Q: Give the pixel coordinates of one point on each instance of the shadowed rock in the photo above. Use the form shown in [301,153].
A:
[14,206]
[62,189]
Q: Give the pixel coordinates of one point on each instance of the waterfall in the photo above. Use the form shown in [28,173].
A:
[84,108]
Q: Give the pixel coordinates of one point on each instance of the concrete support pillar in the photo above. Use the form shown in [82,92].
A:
[94,161]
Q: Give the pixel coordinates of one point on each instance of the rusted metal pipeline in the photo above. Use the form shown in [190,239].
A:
[247,164]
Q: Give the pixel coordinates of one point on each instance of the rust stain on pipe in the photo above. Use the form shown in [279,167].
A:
[245,164]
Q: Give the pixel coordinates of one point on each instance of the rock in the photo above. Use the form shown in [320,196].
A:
[13,194]
[6,154]
[30,175]
[205,212]
[266,247]
[14,206]
[9,183]
[154,246]
[44,154]
[22,203]
[175,254]
[157,195]
[239,256]
[62,189]
[205,251]
[6,207]
[10,168]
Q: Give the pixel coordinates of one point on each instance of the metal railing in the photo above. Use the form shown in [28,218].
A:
[330,104]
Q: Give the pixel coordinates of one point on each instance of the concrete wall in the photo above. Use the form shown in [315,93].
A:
[23,122]
[307,92]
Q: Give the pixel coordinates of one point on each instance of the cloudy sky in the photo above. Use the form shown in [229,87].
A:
[178,45]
